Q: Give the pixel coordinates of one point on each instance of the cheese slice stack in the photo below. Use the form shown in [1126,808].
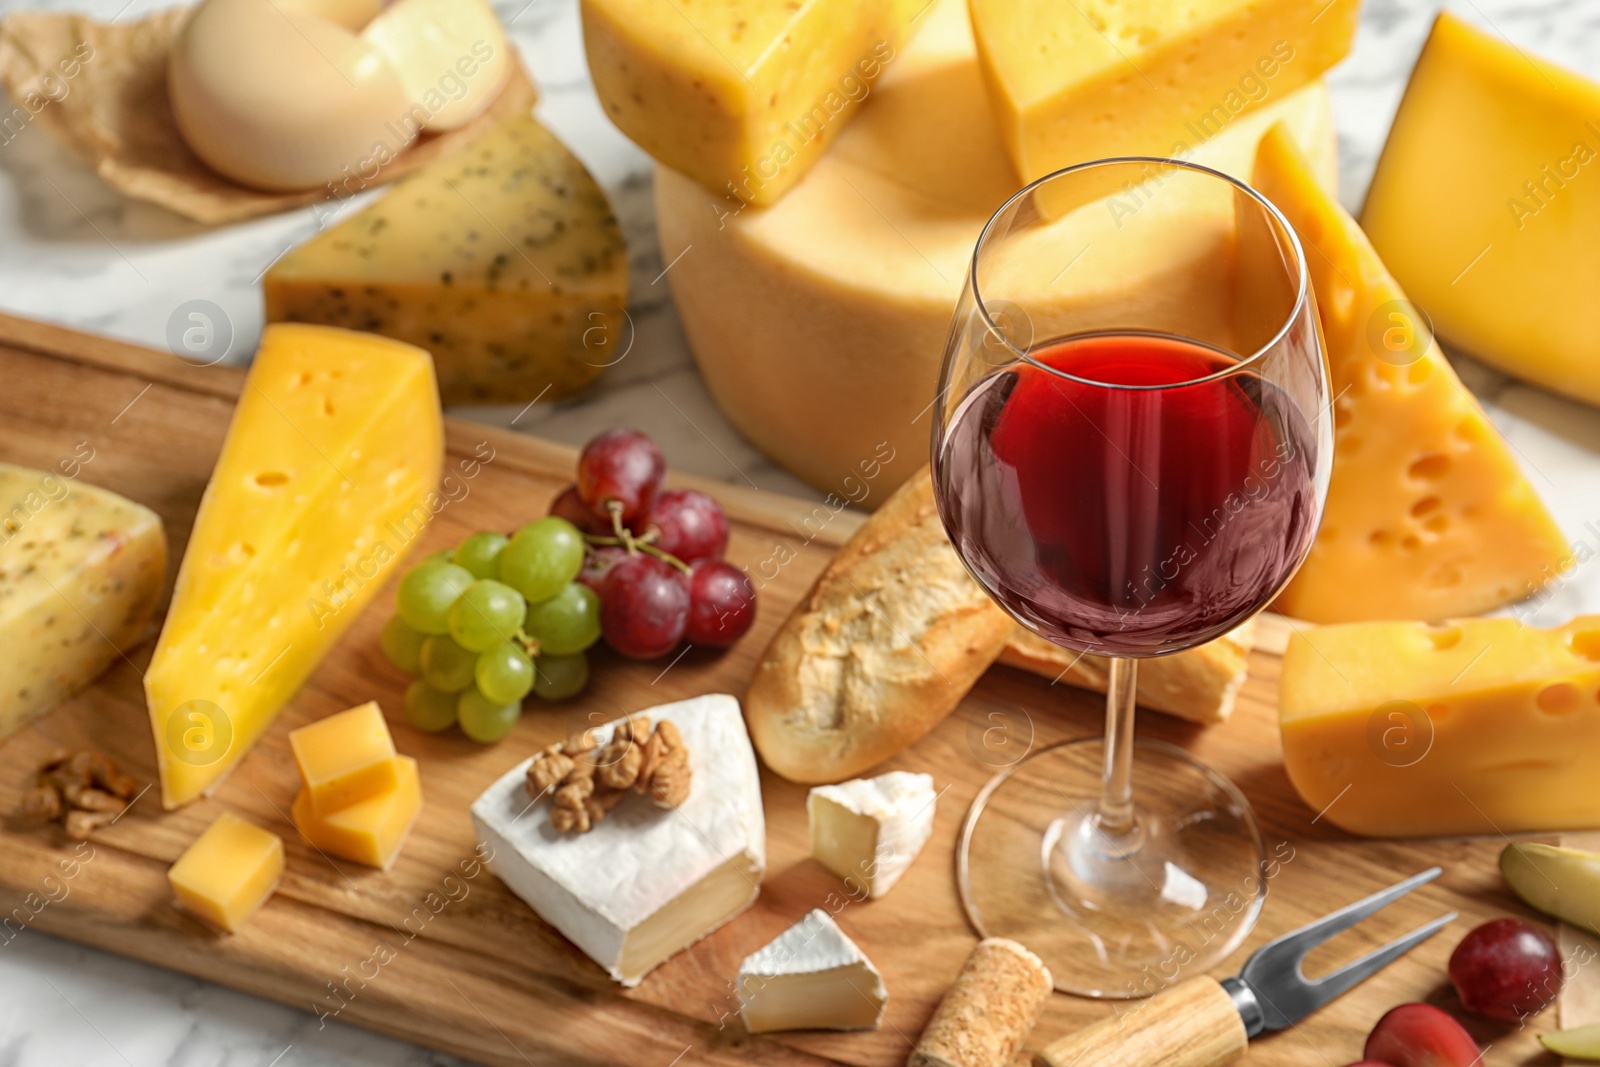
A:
[810,977]
[80,575]
[1428,515]
[503,260]
[1481,726]
[1486,205]
[869,830]
[326,478]
[819,322]
[647,881]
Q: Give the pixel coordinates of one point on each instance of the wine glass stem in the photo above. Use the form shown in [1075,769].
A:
[1114,818]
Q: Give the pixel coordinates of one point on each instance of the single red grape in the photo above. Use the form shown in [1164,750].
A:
[1420,1035]
[692,525]
[570,506]
[644,606]
[722,604]
[598,563]
[1506,969]
[622,465]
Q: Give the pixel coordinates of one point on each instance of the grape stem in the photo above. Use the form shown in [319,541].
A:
[634,545]
[529,643]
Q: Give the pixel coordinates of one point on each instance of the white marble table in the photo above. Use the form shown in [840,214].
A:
[74,253]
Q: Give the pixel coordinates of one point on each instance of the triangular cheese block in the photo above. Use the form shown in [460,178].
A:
[328,474]
[1428,514]
[810,977]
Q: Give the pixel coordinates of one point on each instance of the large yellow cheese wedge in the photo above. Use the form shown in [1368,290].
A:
[1071,82]
[1482,726]
[1486,205]
[1428,515]
[819,323]
[742,95]
[326,479]
[504,261]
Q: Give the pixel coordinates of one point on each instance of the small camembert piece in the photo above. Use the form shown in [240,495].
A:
[810,977]
[370,831]
[868,831]
[345,758]
[644,882]
[228,872]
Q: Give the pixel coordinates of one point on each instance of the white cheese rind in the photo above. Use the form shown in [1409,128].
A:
[898,808]
[810,977]
[597,887]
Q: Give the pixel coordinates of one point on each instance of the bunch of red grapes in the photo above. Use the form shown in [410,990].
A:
[654,556]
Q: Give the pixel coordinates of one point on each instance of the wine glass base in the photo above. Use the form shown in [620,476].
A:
[1113,916]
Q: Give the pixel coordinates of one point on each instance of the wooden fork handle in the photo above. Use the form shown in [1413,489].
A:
[1190,1025]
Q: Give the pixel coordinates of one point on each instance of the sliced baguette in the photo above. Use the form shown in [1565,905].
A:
[887,642]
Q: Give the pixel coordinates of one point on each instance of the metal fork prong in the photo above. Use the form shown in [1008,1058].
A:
[1335,983]
[1279,959]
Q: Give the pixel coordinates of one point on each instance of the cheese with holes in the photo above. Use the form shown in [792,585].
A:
[80,575]
[370,831]
[228,872]
[645,882]
[741,96]
[327,477]
[1481,726]
[1428,514]
[1101,78]
[810,977]
[1486,205]
[819,323]
[503,260]
[869,830]
[345,758]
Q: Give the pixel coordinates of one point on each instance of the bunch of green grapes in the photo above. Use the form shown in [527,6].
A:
[484,625]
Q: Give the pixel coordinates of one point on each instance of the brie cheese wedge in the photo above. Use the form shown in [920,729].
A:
[868,831]
[646,882]
[810,977]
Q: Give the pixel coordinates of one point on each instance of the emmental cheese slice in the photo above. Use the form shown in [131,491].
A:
[1100,78]
[810,977]
[1428,515]
[81,571]
[646,882]
[742,96]
[327,477]
[504,261]
[819,323]
[1486,205]
[1481,726]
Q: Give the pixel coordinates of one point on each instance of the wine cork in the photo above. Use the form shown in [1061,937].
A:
[988,1013]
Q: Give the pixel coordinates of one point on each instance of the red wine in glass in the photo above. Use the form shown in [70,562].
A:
[1132,504]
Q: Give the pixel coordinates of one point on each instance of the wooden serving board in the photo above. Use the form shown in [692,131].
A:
[438,952]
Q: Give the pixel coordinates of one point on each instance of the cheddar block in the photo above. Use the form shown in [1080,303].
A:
[1200,685]
[1101,78]
[327,477]
[370,831]
[1480,726]
[504,261]
[80,575]
[345,758]
[741,96]
[819,323]
[229,872]
[1428,515]
[1484,207]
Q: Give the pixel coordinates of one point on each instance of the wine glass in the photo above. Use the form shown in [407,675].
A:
[1131,455]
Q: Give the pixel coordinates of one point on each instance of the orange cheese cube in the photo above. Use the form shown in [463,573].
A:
[228,872]
[346,758]
[370,831]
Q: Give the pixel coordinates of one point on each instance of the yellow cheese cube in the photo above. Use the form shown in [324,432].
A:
[371,831]
[328,475]
[1485,206]
[741,95]
[1428,515]
[345,758]
[228,872]
[1096,78]
[1481,726]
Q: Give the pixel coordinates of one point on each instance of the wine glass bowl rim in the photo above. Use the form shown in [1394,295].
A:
[1302,290]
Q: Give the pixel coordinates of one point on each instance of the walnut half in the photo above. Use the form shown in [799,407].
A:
[584,781]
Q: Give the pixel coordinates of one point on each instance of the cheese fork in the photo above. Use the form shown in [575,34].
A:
[1206,1023]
